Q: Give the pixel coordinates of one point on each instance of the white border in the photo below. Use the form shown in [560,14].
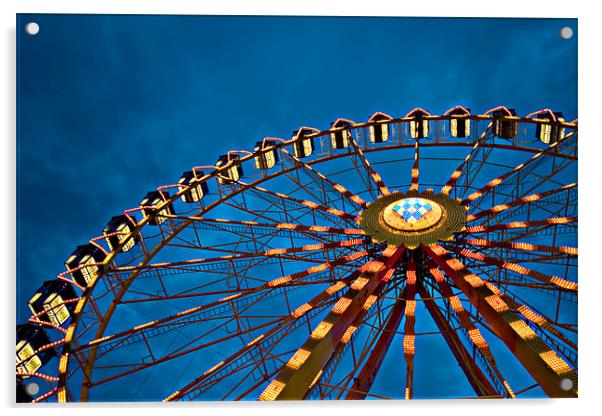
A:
[590,234]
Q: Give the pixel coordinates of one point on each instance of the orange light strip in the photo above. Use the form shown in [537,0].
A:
[337,327]
[573,251]
[458,172]
[503,319]
[338,187]
[274,388]
[373,174]
[307,203]
[45,395]
[409,337]
[473,332]
[520,201]
[530,315]
[495,182]
[315,269]
[274,283]
[553,280]
[520,224]
[284,226]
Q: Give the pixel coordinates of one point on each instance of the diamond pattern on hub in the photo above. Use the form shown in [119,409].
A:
[412,209]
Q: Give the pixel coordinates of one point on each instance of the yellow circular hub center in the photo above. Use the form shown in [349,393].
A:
[412,214]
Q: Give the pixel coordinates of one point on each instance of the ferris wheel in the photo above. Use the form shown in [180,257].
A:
[369,260]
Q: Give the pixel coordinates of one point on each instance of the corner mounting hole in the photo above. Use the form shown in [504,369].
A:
[566,32]
[32,389]
[32,28]
[566,384]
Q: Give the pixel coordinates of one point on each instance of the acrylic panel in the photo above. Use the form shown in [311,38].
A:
[295,208]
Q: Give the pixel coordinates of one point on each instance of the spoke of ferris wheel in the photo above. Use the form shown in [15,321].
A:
[474,335]
[519,224]
[475,376]
[310,204]
[514,296]
[305,365]
[334,357]
[177,354]
[458,171]
[171,356]
[266,253]
[359,351]
[272,284]
[289,219]
[538,319]
[511,280]
[194,293]
[337,187]
[556,281]
[278,225]
[497,181]
[360,345]
[301,311]
[409,338]
[320,195]
[544,365]
[45,396]
[376,178]
[527,199]
[363,382]
[519,246]
[263,214]
[415,166]
[167,327]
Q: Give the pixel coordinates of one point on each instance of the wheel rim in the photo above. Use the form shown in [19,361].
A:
[325,237]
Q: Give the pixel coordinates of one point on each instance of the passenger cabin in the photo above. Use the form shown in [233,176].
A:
[50,297]
[150,207]
[502,126]
[233,172]
[379,127]
[30,338]
[551,132]
[122,227]
[340,135]
[303,146]
[195,188]
[86,259]
[459,122]
[269,158]
[419,126]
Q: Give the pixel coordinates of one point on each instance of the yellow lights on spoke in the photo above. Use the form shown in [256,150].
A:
[321,330]
[272,390]
[301,310]
[341,306]
[279,281]
[348,334]
[359,283]
[336,287]
[496,303]
[369,302]
[298,358]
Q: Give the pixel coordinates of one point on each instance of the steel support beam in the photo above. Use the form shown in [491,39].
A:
[544,365]
[293,382]
[475,376]
[367,375]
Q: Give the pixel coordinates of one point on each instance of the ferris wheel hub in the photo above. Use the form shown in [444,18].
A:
[412,214]
[413,218]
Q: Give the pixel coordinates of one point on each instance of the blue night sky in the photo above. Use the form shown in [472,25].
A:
[110,107]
